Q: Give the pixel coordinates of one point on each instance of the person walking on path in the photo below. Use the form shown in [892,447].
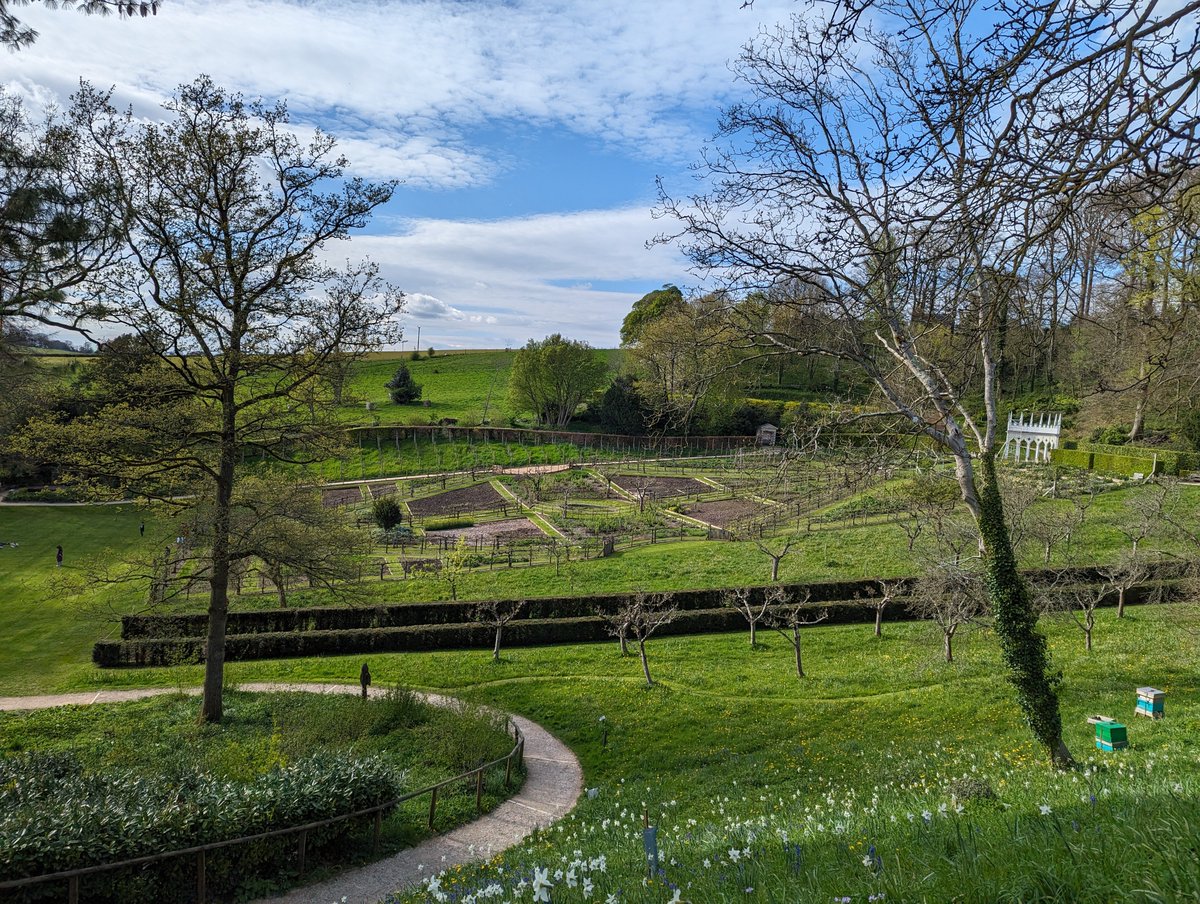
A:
[58,557]
[364,679]
[142,529]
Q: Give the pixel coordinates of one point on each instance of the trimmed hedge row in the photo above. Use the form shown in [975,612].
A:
[1171,461]
[1125,460]
[402,615]
[528,632]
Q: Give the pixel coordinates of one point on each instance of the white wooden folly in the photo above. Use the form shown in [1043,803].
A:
[1031,435]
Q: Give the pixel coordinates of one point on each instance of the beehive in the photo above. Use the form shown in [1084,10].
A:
[1150,702]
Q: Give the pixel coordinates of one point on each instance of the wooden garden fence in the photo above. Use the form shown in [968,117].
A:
[73,877]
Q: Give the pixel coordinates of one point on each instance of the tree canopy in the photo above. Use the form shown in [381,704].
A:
[222,215]
[552,377]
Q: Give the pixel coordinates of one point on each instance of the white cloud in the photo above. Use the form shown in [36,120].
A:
[402,82]
[500,282]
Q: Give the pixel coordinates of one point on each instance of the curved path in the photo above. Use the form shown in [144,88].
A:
[553,783]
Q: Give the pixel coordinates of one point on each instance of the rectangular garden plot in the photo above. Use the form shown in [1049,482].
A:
[480,497]
[383,489]
[723,512]
[331,496]
[506,531]
[662,487]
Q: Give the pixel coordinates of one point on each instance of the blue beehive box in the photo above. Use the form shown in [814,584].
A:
[1150,702]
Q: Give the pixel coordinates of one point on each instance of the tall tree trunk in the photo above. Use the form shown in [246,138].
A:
[879,621]
[1120,602]
[1023,647]
[211,708]
[645,663]
[753,636]
[948,644]
[775,568]
[496,645]
[624,640]
[1143,399]
[796,645]
[1087,638]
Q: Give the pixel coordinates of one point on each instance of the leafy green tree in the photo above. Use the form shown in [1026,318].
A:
[402,387]
[224,214]
[387,512]
[552,377]
[649,308]
[622,409]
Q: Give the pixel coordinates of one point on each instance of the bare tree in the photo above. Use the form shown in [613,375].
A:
[1081,601]
[742,599]
[1144,513]
[880,597]
[495,614]
[790,616]
[776,550]
[1128,571]
[951,596]
[901,183]
[639,616]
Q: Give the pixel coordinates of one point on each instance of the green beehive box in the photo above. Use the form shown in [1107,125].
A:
[1111,736]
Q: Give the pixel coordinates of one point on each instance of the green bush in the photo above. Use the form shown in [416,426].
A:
[56,816]
[402,388]
[1122,465]
[387,512]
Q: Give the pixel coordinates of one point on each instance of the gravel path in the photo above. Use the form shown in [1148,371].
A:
[553,783]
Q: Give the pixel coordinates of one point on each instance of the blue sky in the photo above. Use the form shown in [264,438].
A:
[527,134]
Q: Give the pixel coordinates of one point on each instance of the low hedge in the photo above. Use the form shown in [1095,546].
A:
[56,816]
[528,632]
[403,615]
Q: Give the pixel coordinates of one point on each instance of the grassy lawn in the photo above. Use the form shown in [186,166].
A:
[47,634]
[730,750]
[51,634]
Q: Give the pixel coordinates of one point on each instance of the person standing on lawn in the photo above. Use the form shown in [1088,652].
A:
[58,557]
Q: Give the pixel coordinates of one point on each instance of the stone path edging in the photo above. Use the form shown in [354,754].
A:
[553,783]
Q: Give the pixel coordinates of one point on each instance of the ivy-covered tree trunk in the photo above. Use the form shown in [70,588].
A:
[1023,647]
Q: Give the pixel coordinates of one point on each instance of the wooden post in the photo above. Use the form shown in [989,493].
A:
[201,889]
[507,771]
[303,849]
[432,807]
[73,890]
[479,791]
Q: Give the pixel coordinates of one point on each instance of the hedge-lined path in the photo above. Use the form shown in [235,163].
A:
[553,783]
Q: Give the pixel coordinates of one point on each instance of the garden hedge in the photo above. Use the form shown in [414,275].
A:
[523,632]
[403,615]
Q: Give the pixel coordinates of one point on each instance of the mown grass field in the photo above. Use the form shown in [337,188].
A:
[730,751]
[470,386]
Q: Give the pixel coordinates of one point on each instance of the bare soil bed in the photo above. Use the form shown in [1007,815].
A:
[341,495]
[723,512]
[383,489]
[503,531]
[662,487]
[456,502]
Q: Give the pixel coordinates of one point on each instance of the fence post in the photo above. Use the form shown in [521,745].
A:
[201,889]
[432,807]
[479,791]
[73,890]
[507,771]
[303,849]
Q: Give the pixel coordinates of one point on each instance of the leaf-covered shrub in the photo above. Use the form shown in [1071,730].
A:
[55,815]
